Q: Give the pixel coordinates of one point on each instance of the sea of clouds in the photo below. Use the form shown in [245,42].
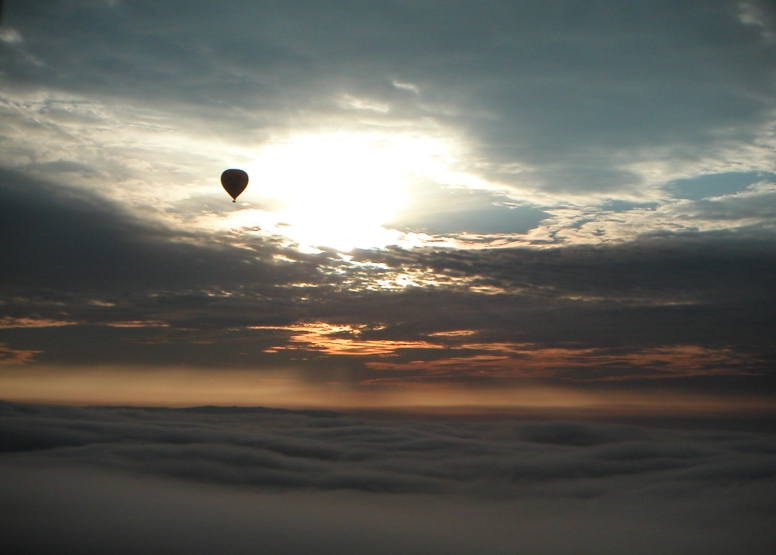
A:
[248,480]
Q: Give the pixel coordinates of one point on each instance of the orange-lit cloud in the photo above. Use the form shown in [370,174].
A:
[138,324]
[331,339]
[279,388]
[8,322]
[520,360]
[16,356]
[453,333]
[510,360]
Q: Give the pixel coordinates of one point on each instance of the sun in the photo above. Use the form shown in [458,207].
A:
[338,190]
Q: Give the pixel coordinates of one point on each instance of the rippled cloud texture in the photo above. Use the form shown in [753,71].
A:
[238,480]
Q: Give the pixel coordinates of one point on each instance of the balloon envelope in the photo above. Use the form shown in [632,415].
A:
[234,182]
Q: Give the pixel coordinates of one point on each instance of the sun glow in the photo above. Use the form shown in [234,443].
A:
[338,190]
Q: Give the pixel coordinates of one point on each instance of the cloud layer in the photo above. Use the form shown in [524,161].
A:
[502,469]
[86,282]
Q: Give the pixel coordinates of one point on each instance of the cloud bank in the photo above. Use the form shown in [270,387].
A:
[630,479]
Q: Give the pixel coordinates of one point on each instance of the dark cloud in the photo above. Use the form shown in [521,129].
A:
[132,473]
[75,240]
[665,290]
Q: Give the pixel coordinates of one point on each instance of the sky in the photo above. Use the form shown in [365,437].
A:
[463,219]
[450,203]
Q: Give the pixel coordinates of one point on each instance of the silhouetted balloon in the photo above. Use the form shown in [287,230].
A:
[235,182]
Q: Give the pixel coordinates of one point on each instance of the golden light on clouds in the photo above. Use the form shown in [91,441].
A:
[179,387]
[10,356]
[463,358]
[329,339]
[511,360]
[8,322]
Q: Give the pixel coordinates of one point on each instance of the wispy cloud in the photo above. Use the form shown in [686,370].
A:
[16,356]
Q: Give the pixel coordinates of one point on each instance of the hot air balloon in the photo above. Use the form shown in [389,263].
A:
[234,182]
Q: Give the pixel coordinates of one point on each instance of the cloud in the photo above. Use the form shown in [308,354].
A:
[541,119]
[11,36]
[320,450]
[705,186]
[77,240]
[500,360]
[444,211]
[15,356]
[761,14]
[193,479]
[579,101]
[599,185]
[149,293]
[8,322]
[748,207]
[324,338]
